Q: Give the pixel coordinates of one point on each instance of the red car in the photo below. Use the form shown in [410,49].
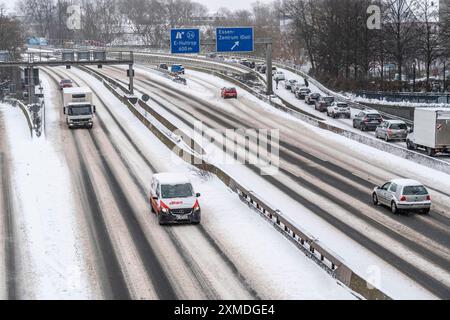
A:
[229,93]
[65,83]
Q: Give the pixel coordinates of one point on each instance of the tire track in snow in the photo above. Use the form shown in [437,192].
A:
[113,280]
[8,218]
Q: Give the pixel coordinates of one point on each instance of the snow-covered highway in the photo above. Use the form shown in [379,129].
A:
[323,178]
[97,196]
[92,186]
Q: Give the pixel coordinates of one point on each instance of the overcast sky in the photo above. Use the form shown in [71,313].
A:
[213,5]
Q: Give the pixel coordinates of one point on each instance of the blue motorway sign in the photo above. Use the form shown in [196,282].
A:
[234,39]
[184,41]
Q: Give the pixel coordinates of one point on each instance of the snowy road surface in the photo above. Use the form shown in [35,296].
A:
[83,229]
[90,188]
[325,182]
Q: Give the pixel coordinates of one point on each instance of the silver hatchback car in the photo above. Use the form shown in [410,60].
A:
[392,130]
[403,195]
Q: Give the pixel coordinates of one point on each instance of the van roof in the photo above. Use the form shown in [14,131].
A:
[171,178]
[77,90]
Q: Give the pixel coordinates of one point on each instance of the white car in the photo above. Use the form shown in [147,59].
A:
[338,109]
[173,199]
[403,195]
[279,75]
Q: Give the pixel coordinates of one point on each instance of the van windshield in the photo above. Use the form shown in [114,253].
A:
[176,191]
[80,110]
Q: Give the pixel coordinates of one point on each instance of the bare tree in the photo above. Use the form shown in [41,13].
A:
[11,35]
[400,27]
[39,13]
[102,20]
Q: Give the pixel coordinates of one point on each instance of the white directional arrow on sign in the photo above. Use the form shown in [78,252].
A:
[236,44]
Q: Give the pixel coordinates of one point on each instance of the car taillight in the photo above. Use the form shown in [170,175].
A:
[389,131]
[403,198]
[428,197]
[366,119]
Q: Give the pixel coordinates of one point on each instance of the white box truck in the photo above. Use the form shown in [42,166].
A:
[78,107]
[431,131]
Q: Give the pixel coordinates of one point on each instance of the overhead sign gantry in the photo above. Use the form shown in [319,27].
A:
[234,39]
[184,41]
[70,58]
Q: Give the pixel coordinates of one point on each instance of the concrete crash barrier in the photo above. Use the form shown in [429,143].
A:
[25,111]
[311,246]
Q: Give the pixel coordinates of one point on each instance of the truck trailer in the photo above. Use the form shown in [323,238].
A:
[78,107]
[431,131]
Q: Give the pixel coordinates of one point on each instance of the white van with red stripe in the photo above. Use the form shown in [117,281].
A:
[173,199]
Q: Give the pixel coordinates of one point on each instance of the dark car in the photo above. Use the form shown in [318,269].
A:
[228,93]
[312,98]
[164,66]
[179,79]
[367,120]
[323,103]
[248,64]
[302,93]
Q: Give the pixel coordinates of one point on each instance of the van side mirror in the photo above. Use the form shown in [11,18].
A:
[198,195]
[94,109]
[155,198]
[65,110]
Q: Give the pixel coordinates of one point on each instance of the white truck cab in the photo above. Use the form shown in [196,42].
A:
[78,107]
[173,199]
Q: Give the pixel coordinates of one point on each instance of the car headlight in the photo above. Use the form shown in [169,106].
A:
[164,210]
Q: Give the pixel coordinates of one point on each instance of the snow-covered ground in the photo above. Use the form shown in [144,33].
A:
[49,257]
[359,258]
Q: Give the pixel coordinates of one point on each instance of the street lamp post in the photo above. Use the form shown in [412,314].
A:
[444,87]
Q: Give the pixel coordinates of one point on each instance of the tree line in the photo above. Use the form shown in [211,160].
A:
[344,51]
[11,38]
[332,36]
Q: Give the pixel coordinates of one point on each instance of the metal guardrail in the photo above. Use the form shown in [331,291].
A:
[25,111]
[307,243]
[413,97]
